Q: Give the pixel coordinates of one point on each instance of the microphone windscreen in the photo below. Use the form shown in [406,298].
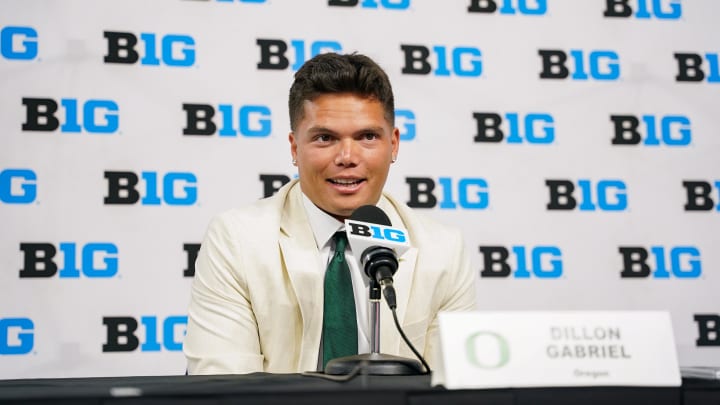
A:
[371,214]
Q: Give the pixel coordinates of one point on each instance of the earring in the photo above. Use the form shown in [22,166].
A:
[294,162]
[394,159]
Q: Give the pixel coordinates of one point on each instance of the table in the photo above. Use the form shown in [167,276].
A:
[298,389]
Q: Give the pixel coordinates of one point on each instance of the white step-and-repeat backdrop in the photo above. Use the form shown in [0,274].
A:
[576,143]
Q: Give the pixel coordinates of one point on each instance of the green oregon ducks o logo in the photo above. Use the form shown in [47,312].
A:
[502,346]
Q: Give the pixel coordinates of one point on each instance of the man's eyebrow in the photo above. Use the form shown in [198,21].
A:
[315,130]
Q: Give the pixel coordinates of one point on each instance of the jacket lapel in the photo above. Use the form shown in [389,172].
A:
[302,261]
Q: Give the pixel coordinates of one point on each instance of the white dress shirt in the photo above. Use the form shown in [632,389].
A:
[324,227]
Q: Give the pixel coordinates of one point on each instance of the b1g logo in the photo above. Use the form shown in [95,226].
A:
[644,9]
[18,186]
[171,50]
[18,43]
[535,261]
[274,52]
[378,232]
[158,334]
[191,253]
[603,65]
[683,261]
[699,195]
[604,195]
[472,193]
[690,67]
[98,116]
[387,4]
[534,128]
[91,260]
[246,120]
[670,130]
[405,121]
[708,329]
[509,7]
[178,188]
[16,336]
[463,61]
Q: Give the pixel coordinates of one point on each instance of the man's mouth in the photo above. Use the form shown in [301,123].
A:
[346,182]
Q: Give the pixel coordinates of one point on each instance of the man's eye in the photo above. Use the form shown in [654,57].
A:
[323,138]
[370,136]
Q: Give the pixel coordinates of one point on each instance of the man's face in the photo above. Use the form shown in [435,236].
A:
[344,147]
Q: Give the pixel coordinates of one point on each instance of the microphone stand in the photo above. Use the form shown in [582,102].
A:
[374,363]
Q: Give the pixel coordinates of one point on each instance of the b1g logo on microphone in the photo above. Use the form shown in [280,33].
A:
[175,50]
[670,130]
[700,195]
[98,116]
[602,65]
[245,120]
[18,186]
[602,195]
[677,261]
[472,193]
[534,128]
[386,4]
[691,69]
[535,261]
[178,188]
[276,55]
[91,260]
[18,43]
[157,334]
[462,61]
[644,9]
[509,7]
[17,336]
[708,329]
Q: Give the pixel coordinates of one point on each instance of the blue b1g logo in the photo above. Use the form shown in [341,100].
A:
[18,186]
[509,7]
[98,116]
[92,260]
[462,61]
[644,9]
[466,193]
[661,262]
[405,121]
[535,261]
[602,195]
[516,128]
[18,43]
[157,334]
[387,4]
[175,50]
[16,336]
[580,64]
[276,55]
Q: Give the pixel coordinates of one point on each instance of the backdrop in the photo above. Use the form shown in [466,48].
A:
[575,143]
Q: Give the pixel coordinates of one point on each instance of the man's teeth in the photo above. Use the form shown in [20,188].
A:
[345,182]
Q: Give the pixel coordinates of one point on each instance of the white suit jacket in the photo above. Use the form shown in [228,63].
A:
[257,296]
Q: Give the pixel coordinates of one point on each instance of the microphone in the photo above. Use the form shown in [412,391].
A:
[371,234]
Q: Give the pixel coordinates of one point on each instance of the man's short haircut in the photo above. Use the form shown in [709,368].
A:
[335,73]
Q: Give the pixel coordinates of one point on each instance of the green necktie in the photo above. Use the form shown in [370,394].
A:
[339,318]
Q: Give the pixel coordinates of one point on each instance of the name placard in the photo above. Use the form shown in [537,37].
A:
[566,348]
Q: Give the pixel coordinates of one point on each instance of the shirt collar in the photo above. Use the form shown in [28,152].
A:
[323,225]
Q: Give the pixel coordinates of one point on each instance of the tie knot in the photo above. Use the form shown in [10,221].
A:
[340,239]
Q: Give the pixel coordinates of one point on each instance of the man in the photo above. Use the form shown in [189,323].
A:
[258,296]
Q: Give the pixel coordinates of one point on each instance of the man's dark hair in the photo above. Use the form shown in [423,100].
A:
[335,73]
